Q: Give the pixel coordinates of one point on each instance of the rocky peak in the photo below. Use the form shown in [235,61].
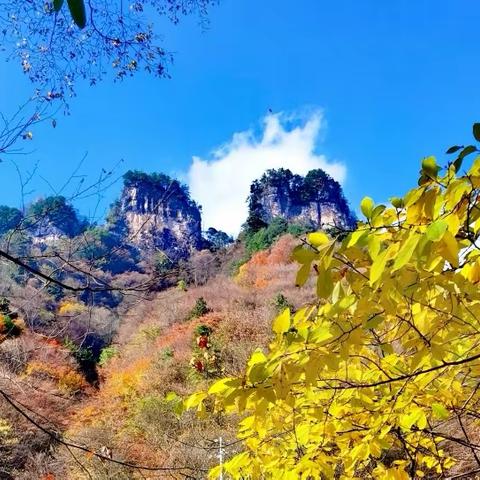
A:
[53,217]
[314,201]
[156,212]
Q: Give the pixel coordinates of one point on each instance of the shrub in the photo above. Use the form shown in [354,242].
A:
[81,354]
[203,330]
[280,303]
[71,307]
[166,353]
[71,382]
[206,355]
[298,230]
[182,285]
[7,433]
[151,332]
[200,309]
[9,327]
[4,305]
[162,264]
[106,354]
[266,236]
[234,267]
[68,379]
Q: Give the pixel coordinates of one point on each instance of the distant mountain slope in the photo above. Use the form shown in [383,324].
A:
[170,344]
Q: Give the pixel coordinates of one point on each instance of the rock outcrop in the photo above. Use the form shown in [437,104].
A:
[314,201]
[50,219]
[156,213]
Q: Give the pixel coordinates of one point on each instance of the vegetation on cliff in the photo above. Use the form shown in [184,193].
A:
[297,199]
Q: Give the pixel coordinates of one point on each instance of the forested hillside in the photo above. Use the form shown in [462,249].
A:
[101,321]
[292,353]
[181,341]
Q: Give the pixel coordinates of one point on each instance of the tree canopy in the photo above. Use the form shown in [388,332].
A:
[118,38]
[9,218]
[56,212]
[316,187]
[367,382]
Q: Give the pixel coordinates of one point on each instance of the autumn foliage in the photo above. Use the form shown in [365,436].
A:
[369,381]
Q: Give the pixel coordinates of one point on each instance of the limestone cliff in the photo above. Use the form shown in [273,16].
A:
[314,201]
[157,214]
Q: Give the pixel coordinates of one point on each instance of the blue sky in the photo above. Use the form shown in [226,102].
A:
[392,81]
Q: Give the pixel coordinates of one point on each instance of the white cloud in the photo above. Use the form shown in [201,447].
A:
[221,184]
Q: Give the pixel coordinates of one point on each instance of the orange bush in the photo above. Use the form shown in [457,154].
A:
[71,307]
[68,380]
[258,271]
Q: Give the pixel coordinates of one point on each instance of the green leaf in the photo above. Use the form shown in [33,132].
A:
[476,131]
[355,237]
[302,275]
[458,164]
[77,10]
[440,411]
[366,205]
[429,167]
[467,151]
[324,283]
[303,254]
[454,149]
[57,5]
[406,251]
[436,230]
[397,202]
[282,323]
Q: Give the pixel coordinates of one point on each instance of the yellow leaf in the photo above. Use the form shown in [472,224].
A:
[373,246]
[282,323]
[356,237]
[319,335]
[223,385]
[378,266]
[302,275]
[406,251]
[324,283]
[450,249]
[194,400]
[317,239]
[366,206]
[436,230]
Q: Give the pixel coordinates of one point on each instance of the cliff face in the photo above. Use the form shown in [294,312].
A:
[314,201]
[156,213]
